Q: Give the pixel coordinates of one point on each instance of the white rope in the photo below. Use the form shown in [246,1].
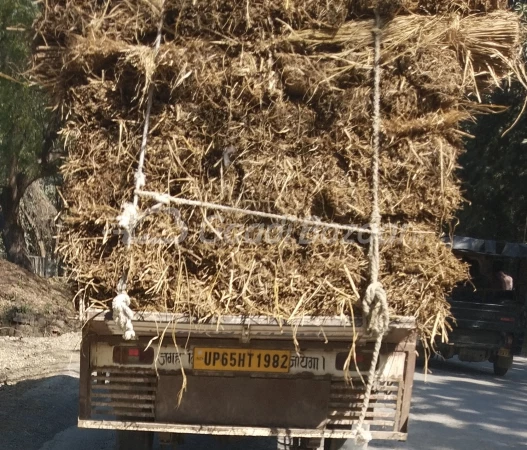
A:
[123,315]
[128,221]
[130,216]
[166,199]
[140,178]
[374,304]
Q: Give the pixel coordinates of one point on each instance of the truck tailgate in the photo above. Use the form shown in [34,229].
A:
[311,399]
[502,317]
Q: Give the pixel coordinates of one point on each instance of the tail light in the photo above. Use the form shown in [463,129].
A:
[133,355]
[507,319]
[362,361]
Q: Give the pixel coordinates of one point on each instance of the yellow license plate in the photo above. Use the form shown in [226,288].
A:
[242,360]
[503,352]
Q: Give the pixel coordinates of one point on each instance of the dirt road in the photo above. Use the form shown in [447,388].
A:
[460,407]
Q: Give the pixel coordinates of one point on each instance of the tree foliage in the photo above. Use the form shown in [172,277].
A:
[494,172]
[494,167]
[27,127]
[24,119]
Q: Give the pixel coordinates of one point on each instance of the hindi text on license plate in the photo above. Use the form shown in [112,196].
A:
[247,360]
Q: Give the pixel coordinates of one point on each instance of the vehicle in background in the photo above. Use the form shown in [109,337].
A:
[488,314]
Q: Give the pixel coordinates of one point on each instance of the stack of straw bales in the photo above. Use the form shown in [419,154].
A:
[266,105]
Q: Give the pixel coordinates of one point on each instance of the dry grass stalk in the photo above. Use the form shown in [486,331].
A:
[260,107]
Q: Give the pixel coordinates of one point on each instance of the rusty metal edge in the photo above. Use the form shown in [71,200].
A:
[233,431]
[326,328]
[182,319]
[84,381]
[409,373]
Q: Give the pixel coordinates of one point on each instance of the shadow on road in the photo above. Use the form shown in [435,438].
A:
[33,411]
[464,406]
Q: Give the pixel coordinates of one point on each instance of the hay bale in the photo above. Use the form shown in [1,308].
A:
[267,106]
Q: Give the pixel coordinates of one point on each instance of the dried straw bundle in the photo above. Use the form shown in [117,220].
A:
[258,106]
[133,21]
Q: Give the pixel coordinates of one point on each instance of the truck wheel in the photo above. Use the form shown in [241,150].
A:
[348,444]
[334,444]
[287,443]
[500,370]
[134,440]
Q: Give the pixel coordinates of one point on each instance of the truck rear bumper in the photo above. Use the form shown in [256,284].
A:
[233,430]
[309,400]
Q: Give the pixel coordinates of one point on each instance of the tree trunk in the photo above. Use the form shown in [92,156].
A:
[37,217]
[12,231]
[12,192]
[15,245]
[37,234]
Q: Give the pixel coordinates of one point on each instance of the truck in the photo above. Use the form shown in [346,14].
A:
[488,320]
[244,376]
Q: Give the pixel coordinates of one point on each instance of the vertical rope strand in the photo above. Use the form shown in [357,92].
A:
[374,305]
[122,313]
[139,175]
[376,215]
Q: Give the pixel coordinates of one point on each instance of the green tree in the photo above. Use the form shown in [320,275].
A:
[494,167]
[27,128]
[494,172]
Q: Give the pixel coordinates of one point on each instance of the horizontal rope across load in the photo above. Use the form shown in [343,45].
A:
[167,199]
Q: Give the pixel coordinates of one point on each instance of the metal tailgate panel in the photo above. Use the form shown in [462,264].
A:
[245,401]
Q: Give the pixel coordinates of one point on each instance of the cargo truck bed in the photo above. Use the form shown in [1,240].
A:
[295,385]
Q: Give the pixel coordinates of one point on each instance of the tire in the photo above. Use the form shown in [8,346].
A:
[334,444]
[287,443]
[338,444]
[134,440]
[500,371]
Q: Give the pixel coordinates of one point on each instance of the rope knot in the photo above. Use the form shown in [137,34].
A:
[123,315]
[375,308]
[363,436]
[127,221]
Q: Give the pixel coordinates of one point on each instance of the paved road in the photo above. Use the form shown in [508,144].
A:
[460,407]
[463,406]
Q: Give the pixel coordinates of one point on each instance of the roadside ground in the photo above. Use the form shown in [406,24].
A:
[34,306]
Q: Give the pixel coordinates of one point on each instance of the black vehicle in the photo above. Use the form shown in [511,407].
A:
[489,309]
